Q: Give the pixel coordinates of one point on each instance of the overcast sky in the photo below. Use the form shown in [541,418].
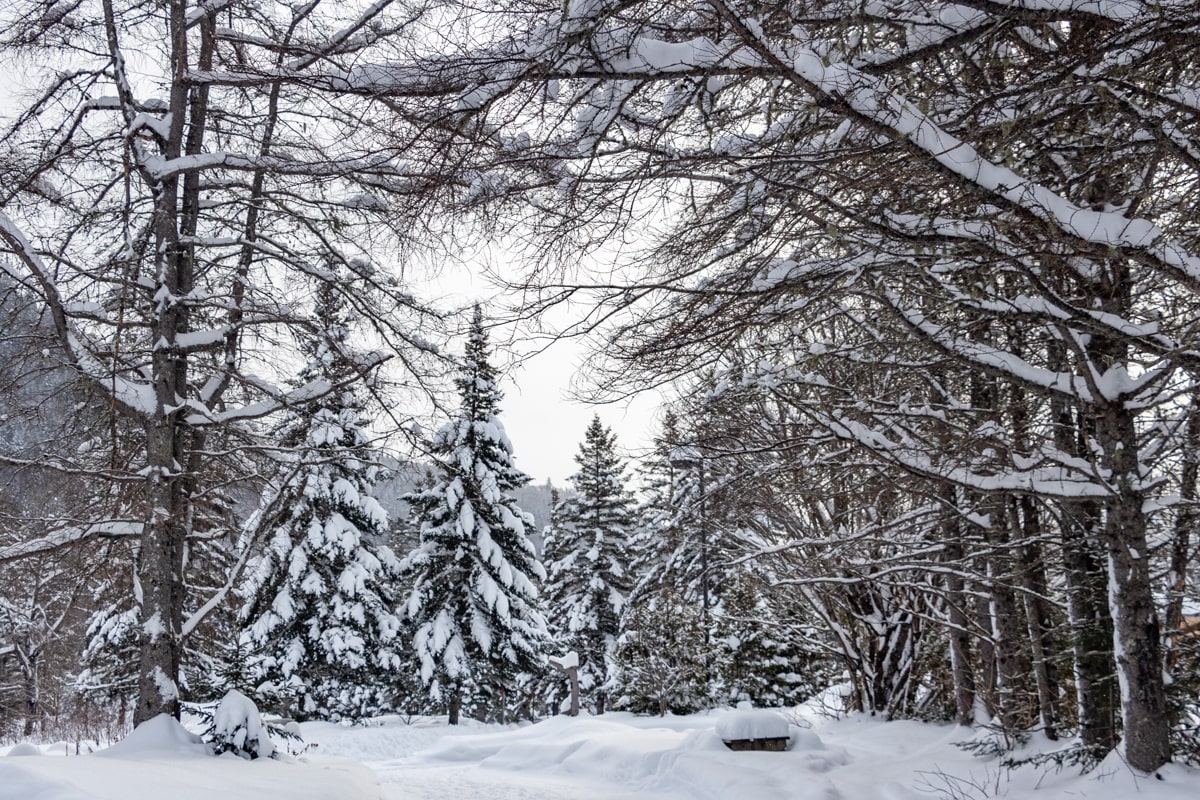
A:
[543,422]
[546,427]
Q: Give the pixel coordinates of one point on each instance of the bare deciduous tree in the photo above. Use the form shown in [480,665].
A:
[164,224]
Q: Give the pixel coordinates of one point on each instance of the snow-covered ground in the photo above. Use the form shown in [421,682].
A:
[614,757]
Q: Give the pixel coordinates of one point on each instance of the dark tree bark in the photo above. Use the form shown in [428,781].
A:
[1043,645]
[958,620]
[1181,540]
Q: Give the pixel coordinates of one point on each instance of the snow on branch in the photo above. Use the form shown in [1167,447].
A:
[874,103]
[109,529]
[1123,11]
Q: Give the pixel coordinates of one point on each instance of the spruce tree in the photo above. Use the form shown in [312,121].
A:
[758,656]
[319,612]
[661,657]
[590,577]
[659,532]
[474,603]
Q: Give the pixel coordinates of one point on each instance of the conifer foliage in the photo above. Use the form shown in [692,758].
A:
[320,604]
[659,533]
[590,578]
[474,602]
[661,657]
[757,654]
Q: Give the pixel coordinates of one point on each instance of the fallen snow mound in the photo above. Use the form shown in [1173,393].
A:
[159,737]
[25,749]
[161,759]
[752,724]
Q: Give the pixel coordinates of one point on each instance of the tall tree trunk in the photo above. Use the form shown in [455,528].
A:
[1037,615]
[985,683]
[1091,629]
[455,705]
[160,559]
[957,619]
[1181,539]
[1027,530]
[161,565]
[160,579]
[1136,641]
[33,692]
[1006,616]
[1090,621]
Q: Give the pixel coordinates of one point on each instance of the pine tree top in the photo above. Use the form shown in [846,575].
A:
[478,385]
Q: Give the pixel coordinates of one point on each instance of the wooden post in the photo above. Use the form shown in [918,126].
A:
[569,665]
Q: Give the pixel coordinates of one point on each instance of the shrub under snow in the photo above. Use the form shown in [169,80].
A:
[238,728]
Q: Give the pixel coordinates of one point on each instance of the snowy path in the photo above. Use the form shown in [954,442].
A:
[406,780]
[617,757]
[435,762]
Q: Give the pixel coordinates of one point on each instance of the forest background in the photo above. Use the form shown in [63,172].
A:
[921,278]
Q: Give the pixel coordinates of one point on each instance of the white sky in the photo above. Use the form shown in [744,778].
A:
[546,426]
[544,423]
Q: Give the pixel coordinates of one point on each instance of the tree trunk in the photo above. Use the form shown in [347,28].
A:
[27,665]
[958,623]
[160,577]
[1011,670]
[573,678]
[1027,530]
[1136,639]
[1091,629]
[1086,584]
[161,567]
[985,685]
[455,705]
[1004,621]
[1181,538]
[572,674]
[1037,616]
[33,706]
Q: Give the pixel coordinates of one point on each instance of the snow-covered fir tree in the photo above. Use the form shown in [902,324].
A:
[661,658]
[589,576]
[759,656]
[474,604]
[108,660]
[320,603]
[659,532]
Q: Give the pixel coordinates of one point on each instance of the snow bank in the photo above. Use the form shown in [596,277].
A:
[25,749]
[672,756]
[209,778]
[161,758]
[160,737]
[682,758]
